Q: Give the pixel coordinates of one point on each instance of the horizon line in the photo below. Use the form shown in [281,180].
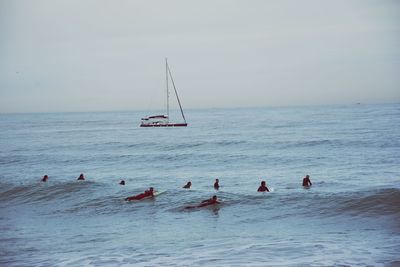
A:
[203,108]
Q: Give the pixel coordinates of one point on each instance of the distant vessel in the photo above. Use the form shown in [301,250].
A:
[163,120]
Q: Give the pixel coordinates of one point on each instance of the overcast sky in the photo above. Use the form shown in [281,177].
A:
[95,55]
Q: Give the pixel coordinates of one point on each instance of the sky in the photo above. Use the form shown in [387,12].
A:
[95,55]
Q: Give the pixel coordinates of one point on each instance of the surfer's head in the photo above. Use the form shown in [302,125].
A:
[151,189]
[263,183]
[44,179]
[214,198]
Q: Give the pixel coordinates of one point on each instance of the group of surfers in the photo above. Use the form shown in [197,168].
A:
[211,201]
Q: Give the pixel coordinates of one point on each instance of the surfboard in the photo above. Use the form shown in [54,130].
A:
[157,193]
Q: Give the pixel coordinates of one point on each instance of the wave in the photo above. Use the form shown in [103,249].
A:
[331,143]
[230,142]
[72,197]
[371,203]
[362,203]
[43,192]
[11,160]
[379,202]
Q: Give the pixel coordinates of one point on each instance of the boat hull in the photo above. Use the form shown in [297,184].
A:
[165,125]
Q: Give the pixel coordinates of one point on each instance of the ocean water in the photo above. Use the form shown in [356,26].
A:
[349,217]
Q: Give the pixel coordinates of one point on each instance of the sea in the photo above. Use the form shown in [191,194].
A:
[350,216]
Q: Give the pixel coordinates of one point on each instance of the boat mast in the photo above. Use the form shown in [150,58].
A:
[176,93]
[166,76]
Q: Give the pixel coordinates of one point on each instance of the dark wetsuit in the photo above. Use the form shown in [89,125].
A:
[207,203]
[263,189]
[307,182]
[216,185]
[140,196]
[204,203]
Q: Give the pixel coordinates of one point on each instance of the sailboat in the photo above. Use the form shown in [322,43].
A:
[163,120]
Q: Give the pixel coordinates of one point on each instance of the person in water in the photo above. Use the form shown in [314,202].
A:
[263,187]
[147,193]
[122,182]
[210,201]
[204,203]
[45,178]
[307,181]
[81,177]
[188,185]
[216,184]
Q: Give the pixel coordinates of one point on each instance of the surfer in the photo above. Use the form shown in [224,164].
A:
[188,185]
[216,184]
[147,193]
[81,177]
[307,181]
[263,187]
[204,203]
[210,201]
[45,178]
[122,182]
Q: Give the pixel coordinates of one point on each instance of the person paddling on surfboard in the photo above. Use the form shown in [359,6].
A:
[147,193]
[216,184]
[210,201]
[188,185]
[45,178]
[81,177]
[204,203]
[263,187]
[122,182]
[307,181]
